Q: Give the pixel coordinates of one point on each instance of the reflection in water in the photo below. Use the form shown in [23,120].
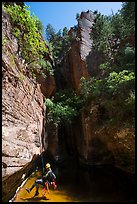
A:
[81,185]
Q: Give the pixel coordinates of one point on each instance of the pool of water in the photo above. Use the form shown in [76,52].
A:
[95,184]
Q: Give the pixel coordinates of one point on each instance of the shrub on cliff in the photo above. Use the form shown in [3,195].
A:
[28,30]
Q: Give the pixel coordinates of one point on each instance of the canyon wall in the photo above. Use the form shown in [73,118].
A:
[23,112]
[92,138]
[99,142]
[22,107]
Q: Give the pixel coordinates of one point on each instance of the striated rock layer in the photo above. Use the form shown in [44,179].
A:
[22,113]
[22,108]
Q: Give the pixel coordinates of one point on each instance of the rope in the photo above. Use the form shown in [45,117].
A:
[40,139]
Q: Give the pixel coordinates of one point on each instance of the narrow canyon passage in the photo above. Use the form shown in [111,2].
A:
[95,184]
[68,99]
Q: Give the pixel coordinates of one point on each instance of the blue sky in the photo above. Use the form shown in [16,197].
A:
[63,14]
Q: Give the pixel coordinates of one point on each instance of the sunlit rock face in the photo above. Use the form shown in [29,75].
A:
[22,107]
[73,66]
[85,24]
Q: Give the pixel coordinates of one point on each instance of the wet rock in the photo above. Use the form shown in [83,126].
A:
[10,183]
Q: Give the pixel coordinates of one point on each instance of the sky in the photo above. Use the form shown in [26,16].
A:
[63,14]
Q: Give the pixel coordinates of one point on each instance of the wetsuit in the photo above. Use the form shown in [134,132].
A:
[49,177]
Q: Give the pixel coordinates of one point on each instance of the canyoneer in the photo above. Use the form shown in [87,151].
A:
[48,179]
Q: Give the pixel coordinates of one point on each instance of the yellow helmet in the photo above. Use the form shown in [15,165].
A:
[47,165]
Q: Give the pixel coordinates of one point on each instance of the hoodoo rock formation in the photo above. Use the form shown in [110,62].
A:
[73,65]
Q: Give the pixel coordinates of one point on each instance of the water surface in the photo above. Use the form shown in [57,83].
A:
[96,184]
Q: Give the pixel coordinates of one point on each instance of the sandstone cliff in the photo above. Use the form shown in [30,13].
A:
[23,113]
[22,107]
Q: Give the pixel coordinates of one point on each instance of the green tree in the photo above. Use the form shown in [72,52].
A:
[128,13]
[50,33]
[64,106]
[60,41]
[113,36]
[117,25]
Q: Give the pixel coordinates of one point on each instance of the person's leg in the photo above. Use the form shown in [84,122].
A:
[29,189]
[37,190]
[47,186]
[44,190]
[54,185]
[38,181]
